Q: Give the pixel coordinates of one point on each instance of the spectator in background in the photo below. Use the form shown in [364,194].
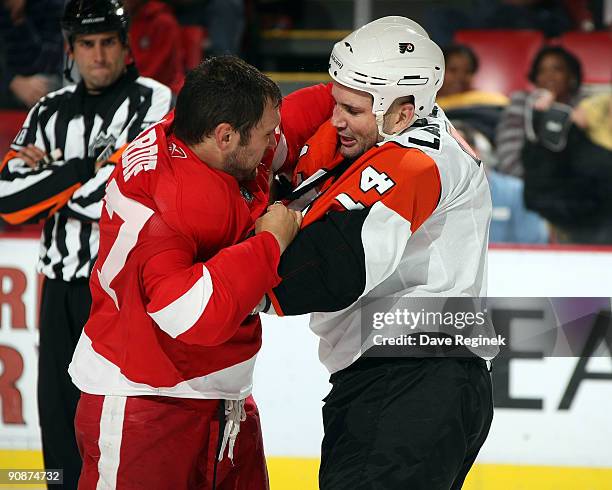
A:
[593,115]
[554,71]
[457,90]
[568,167]
[460,100]
[155,40]
[33,46]
[511,222]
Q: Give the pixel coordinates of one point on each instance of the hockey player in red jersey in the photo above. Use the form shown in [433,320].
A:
[166,359]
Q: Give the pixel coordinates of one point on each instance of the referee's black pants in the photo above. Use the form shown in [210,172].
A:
[64,309]
[409,423]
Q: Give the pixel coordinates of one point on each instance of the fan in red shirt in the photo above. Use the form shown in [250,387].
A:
[165,362]
[155,39]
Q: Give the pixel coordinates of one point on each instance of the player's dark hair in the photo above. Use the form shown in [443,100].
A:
[224,89]
[464,50]
[574,67]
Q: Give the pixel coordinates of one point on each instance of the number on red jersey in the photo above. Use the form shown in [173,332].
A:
[134,216]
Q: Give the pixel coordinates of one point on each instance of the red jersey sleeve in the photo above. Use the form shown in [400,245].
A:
[302,112]
[204,303]
[201,277]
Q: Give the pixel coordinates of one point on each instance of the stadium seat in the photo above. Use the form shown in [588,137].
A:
[594,50]
[10,126]
[504,56]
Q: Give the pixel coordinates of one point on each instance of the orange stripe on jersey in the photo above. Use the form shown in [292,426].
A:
[274,300]
[404,179]
[52,204]
[10,155]
[419,188]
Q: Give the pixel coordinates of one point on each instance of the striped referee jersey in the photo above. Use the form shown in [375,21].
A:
[77,129]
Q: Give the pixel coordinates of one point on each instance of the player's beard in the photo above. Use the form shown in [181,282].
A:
[362,143]
[239,164]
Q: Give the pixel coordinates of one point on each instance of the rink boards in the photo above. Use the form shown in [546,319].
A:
[535,442]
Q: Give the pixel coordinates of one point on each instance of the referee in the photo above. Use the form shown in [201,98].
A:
[56,171]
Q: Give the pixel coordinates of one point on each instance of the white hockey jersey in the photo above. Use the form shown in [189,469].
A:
[408,219]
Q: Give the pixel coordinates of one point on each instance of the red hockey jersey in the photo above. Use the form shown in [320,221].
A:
[170,313]
[176,277]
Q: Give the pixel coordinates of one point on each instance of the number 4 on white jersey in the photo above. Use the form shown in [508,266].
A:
[372,179]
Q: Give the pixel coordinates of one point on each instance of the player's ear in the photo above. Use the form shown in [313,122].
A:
[69,49]
[405,116]
[225,136]
[399,116]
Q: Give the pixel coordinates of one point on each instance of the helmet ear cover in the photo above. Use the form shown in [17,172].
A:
[94,16]
[390,58]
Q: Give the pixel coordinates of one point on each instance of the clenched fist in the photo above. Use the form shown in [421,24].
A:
[283,223]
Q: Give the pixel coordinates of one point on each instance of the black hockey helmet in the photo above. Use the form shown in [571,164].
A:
[93,16]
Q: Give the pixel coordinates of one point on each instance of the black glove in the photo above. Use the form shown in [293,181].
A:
[549,128]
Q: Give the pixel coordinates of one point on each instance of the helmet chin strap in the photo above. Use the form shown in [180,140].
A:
[380,121]
[68,65]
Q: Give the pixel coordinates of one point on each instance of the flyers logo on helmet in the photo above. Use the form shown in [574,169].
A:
[403,47]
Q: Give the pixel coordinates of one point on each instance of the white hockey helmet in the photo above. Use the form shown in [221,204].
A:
[389,58]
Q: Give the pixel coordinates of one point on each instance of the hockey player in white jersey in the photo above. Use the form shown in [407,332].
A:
[395,206]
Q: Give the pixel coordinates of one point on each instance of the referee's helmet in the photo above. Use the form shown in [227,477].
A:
[94,16]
